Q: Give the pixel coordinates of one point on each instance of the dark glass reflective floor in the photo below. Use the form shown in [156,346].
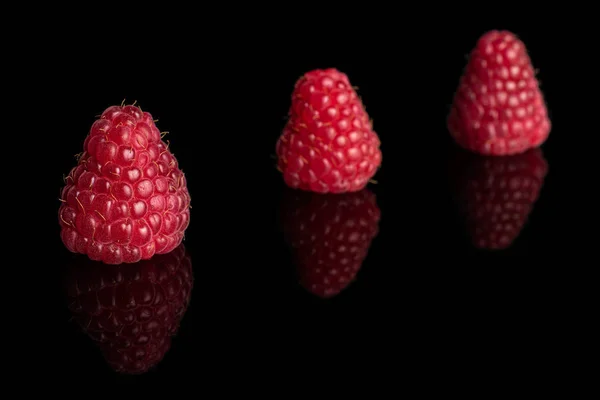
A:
[325,279]
[447,258]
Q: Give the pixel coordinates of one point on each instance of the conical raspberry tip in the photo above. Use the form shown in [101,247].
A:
[494,34]
[123,103]
[327,77]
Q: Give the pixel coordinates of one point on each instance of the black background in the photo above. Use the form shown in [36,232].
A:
[424,299]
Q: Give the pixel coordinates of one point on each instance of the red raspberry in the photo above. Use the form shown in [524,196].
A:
[498,108]
[330,236]
[131,310]
[498,194]
[126,199]
[328,144]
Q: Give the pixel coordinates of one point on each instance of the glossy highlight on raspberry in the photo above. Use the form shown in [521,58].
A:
[499,108]
[328,144]
[330,236]
[131,311]
[127,198]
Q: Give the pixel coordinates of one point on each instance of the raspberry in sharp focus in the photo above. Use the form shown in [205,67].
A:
[131,310]
[126,199]
[499,108]
[330,235]
[328,144]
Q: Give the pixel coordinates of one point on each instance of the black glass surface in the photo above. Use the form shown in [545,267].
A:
[437,283]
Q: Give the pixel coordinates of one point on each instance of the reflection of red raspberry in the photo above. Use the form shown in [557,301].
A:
[498,108]
[330,235]
[498,194]
[126,199]
[328,144]
[131,310]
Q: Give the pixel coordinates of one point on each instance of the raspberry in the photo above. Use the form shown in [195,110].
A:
[330,236]
[131,310]
[126,199]
[498,108]
[498,194]
[328,144]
